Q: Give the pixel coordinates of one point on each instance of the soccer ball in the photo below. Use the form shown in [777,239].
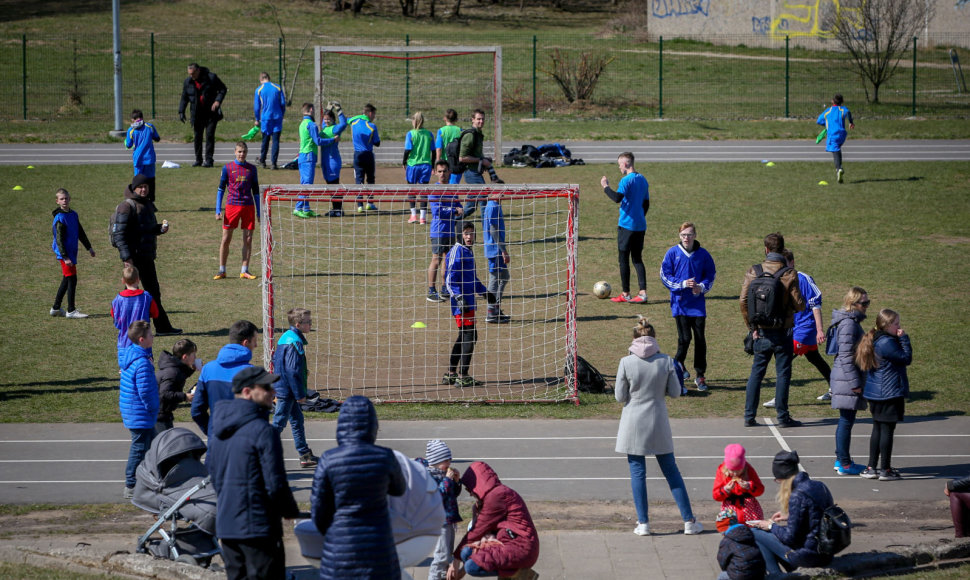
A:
[602,289]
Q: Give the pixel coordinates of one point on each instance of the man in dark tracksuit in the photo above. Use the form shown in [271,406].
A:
[204,93]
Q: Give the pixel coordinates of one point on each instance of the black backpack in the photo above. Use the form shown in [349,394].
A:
[766,298]
[834,531]
[453,152]
[588,379]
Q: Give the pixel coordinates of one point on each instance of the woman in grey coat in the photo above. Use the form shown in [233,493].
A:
[847,380]
[642,380]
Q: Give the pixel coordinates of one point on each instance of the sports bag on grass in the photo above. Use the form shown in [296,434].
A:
[766,300]
[834,531]
[588,379]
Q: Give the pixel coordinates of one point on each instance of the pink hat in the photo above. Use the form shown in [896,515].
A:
[734,457]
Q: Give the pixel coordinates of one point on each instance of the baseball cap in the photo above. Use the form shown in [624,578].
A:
[251,377]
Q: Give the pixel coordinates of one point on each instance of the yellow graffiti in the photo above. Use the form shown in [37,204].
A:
[805,18]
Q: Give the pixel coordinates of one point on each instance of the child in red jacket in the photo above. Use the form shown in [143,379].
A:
[736,485]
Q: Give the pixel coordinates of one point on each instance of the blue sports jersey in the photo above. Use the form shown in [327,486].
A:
[365,135]
[142,141]
[330,161]
[70,241]
[680,265]
[634,189]
[492,217]
[444,214]
[460,277]
[835,119]
[805,330]
[269,106]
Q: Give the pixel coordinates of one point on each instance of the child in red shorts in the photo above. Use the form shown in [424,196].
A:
[242,208]
[67,232]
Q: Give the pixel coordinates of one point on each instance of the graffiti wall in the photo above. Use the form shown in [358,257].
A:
[775,19]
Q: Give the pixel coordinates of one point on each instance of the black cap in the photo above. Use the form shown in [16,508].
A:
[138,180]
[785,464]
[251,377]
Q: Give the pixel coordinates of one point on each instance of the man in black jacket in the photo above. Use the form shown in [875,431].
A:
[135,232]
[204,93]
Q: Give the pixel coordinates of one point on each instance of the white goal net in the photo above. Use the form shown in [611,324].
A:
[364,278]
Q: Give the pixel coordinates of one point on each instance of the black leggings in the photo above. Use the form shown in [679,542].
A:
[814,357]
[685,326]
[625,257]
[881,443]
[69,287]
[837,157]
[461,352]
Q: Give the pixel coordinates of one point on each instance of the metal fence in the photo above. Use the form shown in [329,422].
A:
[70,76]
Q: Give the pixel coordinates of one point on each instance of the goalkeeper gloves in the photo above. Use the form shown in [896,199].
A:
[335,107]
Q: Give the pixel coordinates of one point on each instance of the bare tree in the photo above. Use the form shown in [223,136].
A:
[877,34]
[576,79]
[284,65]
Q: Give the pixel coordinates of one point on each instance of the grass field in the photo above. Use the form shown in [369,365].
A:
[899,230]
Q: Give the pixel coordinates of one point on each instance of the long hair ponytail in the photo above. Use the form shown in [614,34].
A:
[865,352]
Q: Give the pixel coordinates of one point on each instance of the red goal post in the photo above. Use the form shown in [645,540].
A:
[364,278]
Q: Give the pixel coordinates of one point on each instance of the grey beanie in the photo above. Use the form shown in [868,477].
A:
[785,464]
[437,452]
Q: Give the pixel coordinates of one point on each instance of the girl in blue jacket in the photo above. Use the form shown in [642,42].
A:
[883,354]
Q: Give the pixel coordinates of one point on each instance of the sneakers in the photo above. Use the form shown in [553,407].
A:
[701,383]
[57,312]
[638,299]
[838,464]
[261,164]
[301,214]
[370,207]
[219,276]
[686,374]
[869,473]
[751,423]
[335,213]
[129,492]
[208,163]
[275,167]
[310,213]
[462,382]
[824,397]
[853,469]
[642,529]
[360,209]
[246,276]
[422,221]
[769,404]
[838,175]
[75,314]
[620,298]
[890,475]
[497,318]
[789,422]
[449,378]
[433,296]
[693,528]
[308,460]
[413,219]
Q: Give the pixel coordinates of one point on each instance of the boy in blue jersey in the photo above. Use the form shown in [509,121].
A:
[446,135]
[334,123]
[269,106]
[633,195]
[834,119]
[141,138]
[67,232]
[463,284]
[365,137]
[688,272]
[808,332]
[310,141]
[493,231]
[445,210]
[242,208]
[289,362]
[215,380]
[129,305]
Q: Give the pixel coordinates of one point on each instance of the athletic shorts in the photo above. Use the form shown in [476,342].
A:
[68,270]
[801,349]
[496,265]
[629,241]
[418,173]
[239,216]
[465,319]
[441,245]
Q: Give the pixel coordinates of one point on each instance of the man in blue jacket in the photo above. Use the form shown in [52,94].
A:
[245,461]
[269,106]
[215,381]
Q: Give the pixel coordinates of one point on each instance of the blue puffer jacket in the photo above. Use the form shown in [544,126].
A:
[889,380]
[809,500]
[289,362]
[739,556]
[245,460]
[138,401]
[349,499]
[215,381]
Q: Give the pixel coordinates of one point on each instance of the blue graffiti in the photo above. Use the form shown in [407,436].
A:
[783,24]
[761,25]
[665,8]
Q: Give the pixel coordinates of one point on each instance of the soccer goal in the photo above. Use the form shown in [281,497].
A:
[364,278]
[402,80]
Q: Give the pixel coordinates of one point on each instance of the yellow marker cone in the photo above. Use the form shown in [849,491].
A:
[823,182]
[770,164]
[419,325]
[30,167]
[17,188]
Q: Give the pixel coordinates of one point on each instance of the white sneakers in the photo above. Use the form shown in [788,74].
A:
[693,528]
[769,404]
[57,312]
[76,314]
[642,529]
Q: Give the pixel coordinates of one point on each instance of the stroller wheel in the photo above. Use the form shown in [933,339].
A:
[187,559]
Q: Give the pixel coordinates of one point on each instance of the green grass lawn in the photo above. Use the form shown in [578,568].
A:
[899,230]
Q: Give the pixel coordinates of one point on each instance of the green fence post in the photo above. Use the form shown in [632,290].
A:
[661,78]
[23,60]
[153,72]
[534,42]
[279,60]
[407,77]
[914,76]
[787,77]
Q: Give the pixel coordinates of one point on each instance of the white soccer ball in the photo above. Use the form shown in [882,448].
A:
[602,289]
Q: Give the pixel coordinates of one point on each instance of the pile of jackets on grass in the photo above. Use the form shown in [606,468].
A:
[549,155]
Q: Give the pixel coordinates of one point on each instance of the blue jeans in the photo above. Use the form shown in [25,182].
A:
[473,178]
[471,567]
[843,436]
[141,440]
[638,481]
[772,549]
[779,344]
[265,145]
[289,409]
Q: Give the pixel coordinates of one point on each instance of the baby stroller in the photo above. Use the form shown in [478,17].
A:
[174,484]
